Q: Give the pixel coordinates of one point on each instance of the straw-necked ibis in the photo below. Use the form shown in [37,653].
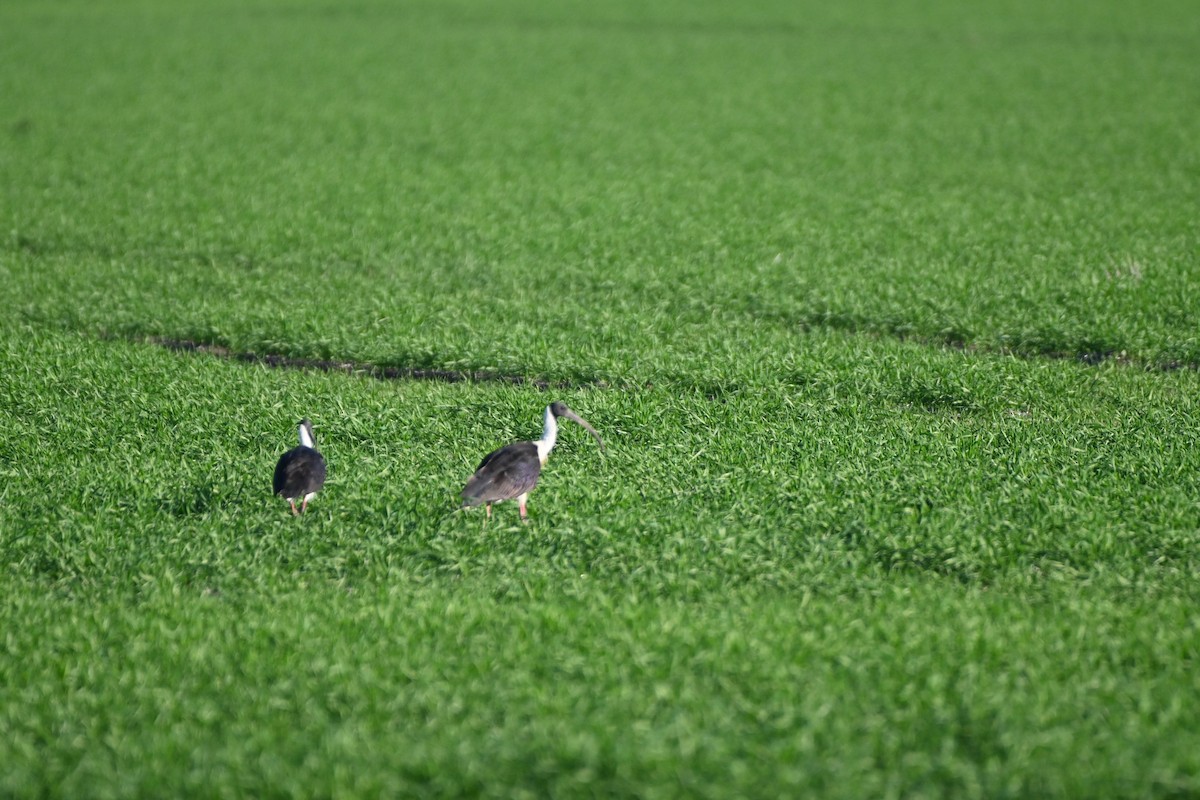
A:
[512,471]
[300,472]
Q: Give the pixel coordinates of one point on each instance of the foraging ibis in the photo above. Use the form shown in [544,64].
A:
[513,470]
[300,472]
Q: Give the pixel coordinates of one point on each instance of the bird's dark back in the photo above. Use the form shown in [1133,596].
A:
[504,474]
[300,471]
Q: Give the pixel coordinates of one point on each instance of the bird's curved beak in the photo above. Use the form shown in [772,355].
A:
[575,417]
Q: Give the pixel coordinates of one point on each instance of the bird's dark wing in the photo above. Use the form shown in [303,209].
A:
[504,474]
[300,471]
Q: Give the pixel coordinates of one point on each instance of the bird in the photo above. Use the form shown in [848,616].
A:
[300,472]
[512,471]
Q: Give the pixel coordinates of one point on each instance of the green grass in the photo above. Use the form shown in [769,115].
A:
[548,188]
[886,314]
[891,592]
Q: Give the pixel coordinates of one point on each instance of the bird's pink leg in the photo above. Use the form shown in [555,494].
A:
[521,504]
[304,504]
[292,503]
[488,506]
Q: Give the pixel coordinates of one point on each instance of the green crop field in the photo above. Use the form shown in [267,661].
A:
[887,312]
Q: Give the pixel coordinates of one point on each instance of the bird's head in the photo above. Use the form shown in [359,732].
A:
[559,409]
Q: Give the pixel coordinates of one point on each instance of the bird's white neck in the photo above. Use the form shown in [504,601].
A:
[306,439]
[549,436]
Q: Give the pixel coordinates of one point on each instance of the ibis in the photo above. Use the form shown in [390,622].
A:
[300,472]
[512,471]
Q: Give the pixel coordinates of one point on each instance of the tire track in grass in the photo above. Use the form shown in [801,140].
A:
[713,391]
[380,372]
[1089,352]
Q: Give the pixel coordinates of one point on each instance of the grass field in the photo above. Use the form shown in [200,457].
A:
[887,313]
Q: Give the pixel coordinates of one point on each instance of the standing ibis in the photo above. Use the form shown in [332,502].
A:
[300,472]
[512,471]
